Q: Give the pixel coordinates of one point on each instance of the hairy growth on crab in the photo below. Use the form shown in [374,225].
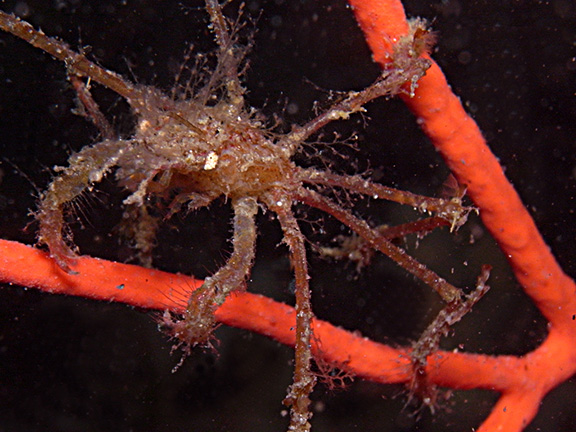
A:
[191,149]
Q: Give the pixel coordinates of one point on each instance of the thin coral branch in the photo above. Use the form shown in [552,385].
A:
[156,290]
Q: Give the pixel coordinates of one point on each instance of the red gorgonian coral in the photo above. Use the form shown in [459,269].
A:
[477,186]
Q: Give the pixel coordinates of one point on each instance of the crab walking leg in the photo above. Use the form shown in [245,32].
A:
[137,96]
[450,210]
[76,63]
[85,168]
[422,226]
[198,320]
[447,291]
[390,83]
[429,341]
[229,58]
[237,268]
[299,392]
[139,227]
[90,110]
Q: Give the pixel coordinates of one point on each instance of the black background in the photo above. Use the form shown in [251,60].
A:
[68,364]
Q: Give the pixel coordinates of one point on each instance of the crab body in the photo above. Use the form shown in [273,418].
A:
[202,155]
[206,144]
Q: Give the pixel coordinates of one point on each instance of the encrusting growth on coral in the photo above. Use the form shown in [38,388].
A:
[203,144]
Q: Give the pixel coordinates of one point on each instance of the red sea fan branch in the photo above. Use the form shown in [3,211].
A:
[457,137]
[153,289]
[522,381]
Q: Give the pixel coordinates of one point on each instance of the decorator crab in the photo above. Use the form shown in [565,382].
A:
[203,143]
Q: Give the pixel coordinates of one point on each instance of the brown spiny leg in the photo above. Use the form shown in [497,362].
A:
[299,392]
[139,227]
[429,341]
[85,168]
[420,227]
[447,291]
[196,324]
[88,108]
[450,209]
[77,63]
[229,57]
[232,276]
[354,248]
[391,82]
[195,201]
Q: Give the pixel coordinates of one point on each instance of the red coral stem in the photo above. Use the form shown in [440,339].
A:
[457,137]
[523,381]
[154,289]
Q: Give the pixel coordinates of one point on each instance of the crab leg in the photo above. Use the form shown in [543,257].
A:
[229,58]
[237,268]
[450,210]
[84,168]
[76,63]
[447,291]
[197,323]
[390,83]
[299,392]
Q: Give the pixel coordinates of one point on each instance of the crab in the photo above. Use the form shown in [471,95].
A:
[205,143]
